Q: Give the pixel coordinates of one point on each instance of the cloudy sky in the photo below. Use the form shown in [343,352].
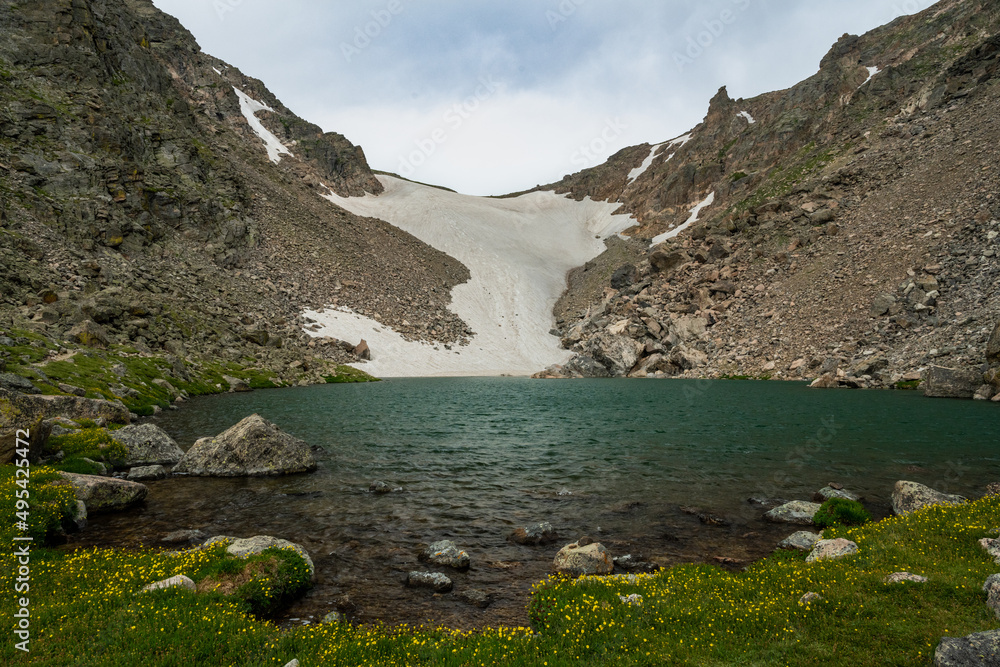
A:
[496,97]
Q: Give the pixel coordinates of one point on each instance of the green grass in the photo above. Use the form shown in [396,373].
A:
[92,443]
[841,511]
[86,609]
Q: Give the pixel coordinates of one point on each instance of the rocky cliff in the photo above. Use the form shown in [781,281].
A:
[141,212]
[849,224]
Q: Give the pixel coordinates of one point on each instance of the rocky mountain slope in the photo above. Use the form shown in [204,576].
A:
[141,212]
[849,227]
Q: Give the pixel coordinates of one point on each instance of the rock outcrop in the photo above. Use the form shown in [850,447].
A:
[977,650]
[148,445]
[253,448]
[910,496]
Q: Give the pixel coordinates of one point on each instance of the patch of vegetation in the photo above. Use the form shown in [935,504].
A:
[80,466]
[92,443]
[841,511]
[349,375]
[49,499]
[737,176]
[763,377]
[782,179]
[909,385]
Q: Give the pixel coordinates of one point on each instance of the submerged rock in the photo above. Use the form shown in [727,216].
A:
[253,448]
[182,536]
[147,473]
[433,580]
[910,496]
[828,492]
[106,494]
[535,534]
[476,598]
[576,559]
[796,512]
[630,563]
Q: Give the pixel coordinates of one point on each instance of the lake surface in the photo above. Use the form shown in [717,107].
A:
[612,459]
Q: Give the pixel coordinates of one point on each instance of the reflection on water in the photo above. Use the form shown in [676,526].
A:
[615,460]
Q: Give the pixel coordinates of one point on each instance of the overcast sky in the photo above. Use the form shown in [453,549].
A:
[496,97]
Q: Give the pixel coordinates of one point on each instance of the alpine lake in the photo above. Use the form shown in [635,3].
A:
[662,470]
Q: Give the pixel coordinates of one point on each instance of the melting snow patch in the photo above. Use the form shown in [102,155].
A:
[217,72]
[695,212]
[872,71]
[648,162]
[249,107]
[746,114]
[518,251]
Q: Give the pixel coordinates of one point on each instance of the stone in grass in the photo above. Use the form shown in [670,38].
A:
[832,550]
[810,597]
[244,548]
[802,541]
[900,577]
[828,492]
[253,448]
[147,445]
[992,590]
[106,494]
[447,554]
[179,581]
[433,580]
[979,650]
[535,534]
[147,473]
[992,547]
[910,496]
[797,512]
[294,662]
[589,559]
[334,617]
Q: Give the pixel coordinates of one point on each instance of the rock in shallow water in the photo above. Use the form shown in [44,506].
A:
[253,448]
[590,559]
[535,534]
[147,473]
[148,445]
[106,494]
[433,580]
[447,554]
[797,512]
[802,541]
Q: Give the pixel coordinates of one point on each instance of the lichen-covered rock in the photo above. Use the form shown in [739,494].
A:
[589,559]
[832,550]
[801,541]
[433,580]
[250,546]
[797,512]
[446,554]
[900,577]
[992,547]
[992,590]
[106,494]
[178,581]
[910,496]
[535,534]
[253,448]
[828,492]
[148,445]
[979,650]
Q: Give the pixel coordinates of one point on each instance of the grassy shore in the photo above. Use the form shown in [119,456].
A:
[86,608]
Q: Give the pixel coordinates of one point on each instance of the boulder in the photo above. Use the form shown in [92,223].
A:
[148,445]
[250,546]
[665,262]
[992,547]
[12,439]
[630,563]
[801,541]
[433,580]
[12,382]
[825,381]
[106,494]
[900,577]
[362,351]
[828,492]
[90,334]
[978,650]
[379,488]
[993,346]
[832,549]
[535,534]
[910,496]
[446,554]
[79,519]
[476,598]
[623,276]
[940,382]
[18,409]
[797,512]
[183,537]
[618,354]
[236,384]
[179,581]
[591,559]
[147,473]
[253,448]
[992,590]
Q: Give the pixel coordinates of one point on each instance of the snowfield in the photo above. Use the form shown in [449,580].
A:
[518,251]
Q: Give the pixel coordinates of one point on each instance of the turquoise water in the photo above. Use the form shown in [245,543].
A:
[614,459]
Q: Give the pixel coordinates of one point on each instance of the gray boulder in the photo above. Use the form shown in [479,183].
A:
[798,512]
[447,554]
[832,549]
[618,354]
[801,541]
[106,494]
[590,559]
[992,590]
[253,448]
[476,598]
[901,577]
[12,382]
[992,547]
[250,546]
[148,445]
[535,534]
[940,382]
[147,473]
[183,537]
[178,581]
[979,650]
[910,496]
[828,492]
[433,580]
